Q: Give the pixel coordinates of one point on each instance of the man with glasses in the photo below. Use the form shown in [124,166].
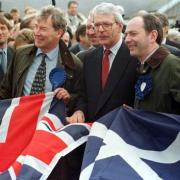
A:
[109,71]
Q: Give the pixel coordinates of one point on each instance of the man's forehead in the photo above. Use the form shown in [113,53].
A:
[136,20]
[3,24]
[99,17]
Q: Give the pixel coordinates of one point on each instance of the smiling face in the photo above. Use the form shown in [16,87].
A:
[90,32]
[107,29]
[46,37]
[4,35]
[139,42]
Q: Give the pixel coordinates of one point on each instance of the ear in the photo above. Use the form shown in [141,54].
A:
[153,35]
[60,33]
[120,26]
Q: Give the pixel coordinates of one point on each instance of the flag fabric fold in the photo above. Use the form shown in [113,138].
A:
[132,144]
[35,137]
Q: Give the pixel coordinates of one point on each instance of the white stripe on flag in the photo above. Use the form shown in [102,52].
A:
[12,173]
[86,173]
[98,130]
[36,164]
[115,145]
[6,120]
[67,138]
[45,105]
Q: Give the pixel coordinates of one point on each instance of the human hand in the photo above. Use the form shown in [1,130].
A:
[77,117]
[62,93]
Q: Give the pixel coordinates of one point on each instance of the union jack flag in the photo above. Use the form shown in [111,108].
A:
[34,136]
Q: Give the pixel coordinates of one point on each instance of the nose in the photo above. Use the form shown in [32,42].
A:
[101,28]
[36,31]
[91,31]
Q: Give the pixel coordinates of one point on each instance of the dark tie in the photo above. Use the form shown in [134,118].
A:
[38,85]
[105,67]
[3,61]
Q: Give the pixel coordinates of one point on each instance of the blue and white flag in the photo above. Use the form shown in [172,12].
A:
[131,145]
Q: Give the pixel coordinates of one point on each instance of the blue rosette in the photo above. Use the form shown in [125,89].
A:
[57,77]
[143,86]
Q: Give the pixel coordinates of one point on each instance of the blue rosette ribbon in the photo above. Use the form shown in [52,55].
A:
[57,77]
[143,86]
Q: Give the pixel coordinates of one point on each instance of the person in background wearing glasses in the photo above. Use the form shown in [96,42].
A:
[99,95]
[92,36]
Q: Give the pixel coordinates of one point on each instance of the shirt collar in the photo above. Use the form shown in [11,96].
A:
[116,47]
[4,49]
[51,55]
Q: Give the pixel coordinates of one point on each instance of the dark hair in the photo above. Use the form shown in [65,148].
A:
[5,21]
[72,2]
[68,29]
[151,23]
[81,31]
[14,10]
[163,18]
[8,16]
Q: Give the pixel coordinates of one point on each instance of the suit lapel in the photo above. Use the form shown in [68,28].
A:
[97,72]
[10,53]
[117,70]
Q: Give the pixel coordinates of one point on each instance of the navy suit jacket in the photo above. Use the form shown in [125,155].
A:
[119,88]
[10,53]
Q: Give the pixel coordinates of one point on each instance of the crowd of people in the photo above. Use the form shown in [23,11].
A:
[108,64]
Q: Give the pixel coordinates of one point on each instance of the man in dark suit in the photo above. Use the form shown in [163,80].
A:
[96,100]
[6,53]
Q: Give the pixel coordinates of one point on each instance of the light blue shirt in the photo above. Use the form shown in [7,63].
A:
[51,62]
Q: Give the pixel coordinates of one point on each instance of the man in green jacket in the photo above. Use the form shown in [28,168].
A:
[158,85]
[21,78]
[48,31]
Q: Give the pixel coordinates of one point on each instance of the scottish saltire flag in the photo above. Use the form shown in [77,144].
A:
[34,136]
[131,145]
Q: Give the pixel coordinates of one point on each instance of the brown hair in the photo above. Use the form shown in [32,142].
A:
[151,23]
[5,21]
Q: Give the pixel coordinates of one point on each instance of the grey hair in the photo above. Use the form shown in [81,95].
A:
[108,8]
[56,14]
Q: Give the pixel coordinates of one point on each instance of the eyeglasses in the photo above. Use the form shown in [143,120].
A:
[105,25]
[90,28]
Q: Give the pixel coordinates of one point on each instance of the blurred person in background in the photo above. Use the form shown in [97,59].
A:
[83,42]
[174,36]
[15,13]
[24,37]
[92,36]
[74,18]
[165,27]
[6,53]
[28,21]
[67,37]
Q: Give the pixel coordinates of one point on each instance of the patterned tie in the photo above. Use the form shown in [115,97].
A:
[38,85]
[105,67]
[3,61]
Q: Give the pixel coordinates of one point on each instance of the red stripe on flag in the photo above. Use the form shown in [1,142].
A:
[44,146]
[17,167]
[45,118]
[21,129]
